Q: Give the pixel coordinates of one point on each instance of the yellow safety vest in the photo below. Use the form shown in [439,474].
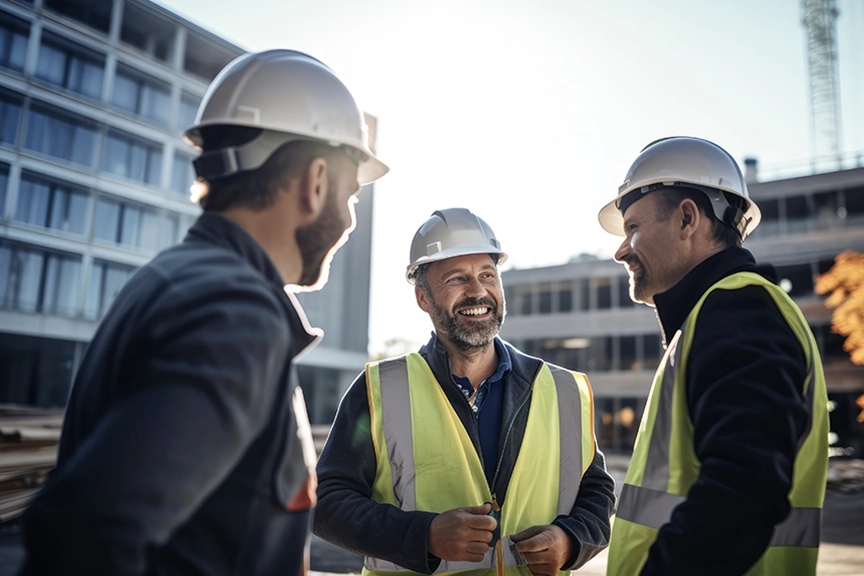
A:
[426,461]
[664,464]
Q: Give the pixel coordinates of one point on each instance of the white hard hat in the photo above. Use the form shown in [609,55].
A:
[448,233]
[685,162]
[290,96]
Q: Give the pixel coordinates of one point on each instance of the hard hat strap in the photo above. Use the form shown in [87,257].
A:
[230,160]
[723,210]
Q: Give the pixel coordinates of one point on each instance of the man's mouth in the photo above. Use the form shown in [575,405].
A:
[475,311]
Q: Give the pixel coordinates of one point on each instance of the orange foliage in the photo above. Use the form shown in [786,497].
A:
[844,284]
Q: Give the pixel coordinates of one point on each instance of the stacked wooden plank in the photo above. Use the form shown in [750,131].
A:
[28,452]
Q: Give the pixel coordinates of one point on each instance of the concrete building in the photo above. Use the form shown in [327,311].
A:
[580,315]
[94,181]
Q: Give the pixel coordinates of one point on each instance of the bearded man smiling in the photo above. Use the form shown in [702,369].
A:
[468,455]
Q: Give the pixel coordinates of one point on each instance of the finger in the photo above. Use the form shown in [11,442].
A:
[480,548]
[543,557]
[481,510]
[527,533]
[481,523]
[536,543]
[484,536]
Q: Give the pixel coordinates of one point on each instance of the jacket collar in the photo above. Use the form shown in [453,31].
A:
[217,230]
[674,305]
[437,358]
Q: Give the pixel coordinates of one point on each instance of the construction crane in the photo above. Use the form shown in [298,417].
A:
[820,20]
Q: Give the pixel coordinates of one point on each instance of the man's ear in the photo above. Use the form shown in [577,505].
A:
[691,218]
[314,186]
[422,299]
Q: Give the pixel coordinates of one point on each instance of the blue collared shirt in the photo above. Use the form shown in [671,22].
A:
[488,406]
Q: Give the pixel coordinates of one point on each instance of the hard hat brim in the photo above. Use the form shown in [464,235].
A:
[612,221]
[454,252]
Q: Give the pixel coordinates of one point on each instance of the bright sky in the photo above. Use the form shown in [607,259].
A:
[530,113]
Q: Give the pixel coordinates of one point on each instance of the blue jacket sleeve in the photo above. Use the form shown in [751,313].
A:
[588,523]
[345,514]
[745,379]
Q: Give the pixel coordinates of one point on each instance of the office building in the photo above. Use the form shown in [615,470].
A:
[94,181]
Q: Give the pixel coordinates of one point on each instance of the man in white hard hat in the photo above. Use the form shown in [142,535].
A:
[469,454]
[728,470]
[186,448]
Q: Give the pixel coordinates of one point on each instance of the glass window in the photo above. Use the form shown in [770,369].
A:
[10,113]
[13,41]
[5,275]
[106,281]
[565,297]
[796,280]
[149,239]
[544,294]
[94,14]
[107,220]
[126,224]
[60,293]
[600,354]
[182,174]
[584,294]
[854,203]
[52,64]
[624,300]
[169,230]
[142,95]
[132,158]
[4,179]
[604,293]
[770,225]
[798,213]
[652,351]
[628,353]
[35,280]
[130,226]
[46,203]
[33,198]
[26,277]
[187,112]
[524,298]
[826,204]
[70,66]
[63,136]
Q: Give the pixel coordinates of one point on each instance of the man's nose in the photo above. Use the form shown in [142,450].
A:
[623,251]
[475,288]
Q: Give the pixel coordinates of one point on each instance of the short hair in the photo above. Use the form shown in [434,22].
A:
[724,235]
[255,189]
[420,279]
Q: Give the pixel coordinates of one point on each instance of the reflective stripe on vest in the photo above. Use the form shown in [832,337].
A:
[411,415]
[664,465]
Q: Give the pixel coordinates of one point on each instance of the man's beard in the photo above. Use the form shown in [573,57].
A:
[638,280]
[478,334]
[318,243]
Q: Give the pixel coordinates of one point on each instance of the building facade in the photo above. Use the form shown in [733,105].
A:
[580,314]
[94,181]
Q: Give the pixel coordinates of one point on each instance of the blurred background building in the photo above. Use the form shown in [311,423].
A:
[94,181]
[580,315]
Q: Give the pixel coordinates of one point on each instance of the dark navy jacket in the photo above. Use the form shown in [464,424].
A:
[745,375]
[347,516]
[179,452]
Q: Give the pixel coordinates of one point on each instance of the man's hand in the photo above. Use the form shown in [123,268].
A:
[545,548]
[462,534]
